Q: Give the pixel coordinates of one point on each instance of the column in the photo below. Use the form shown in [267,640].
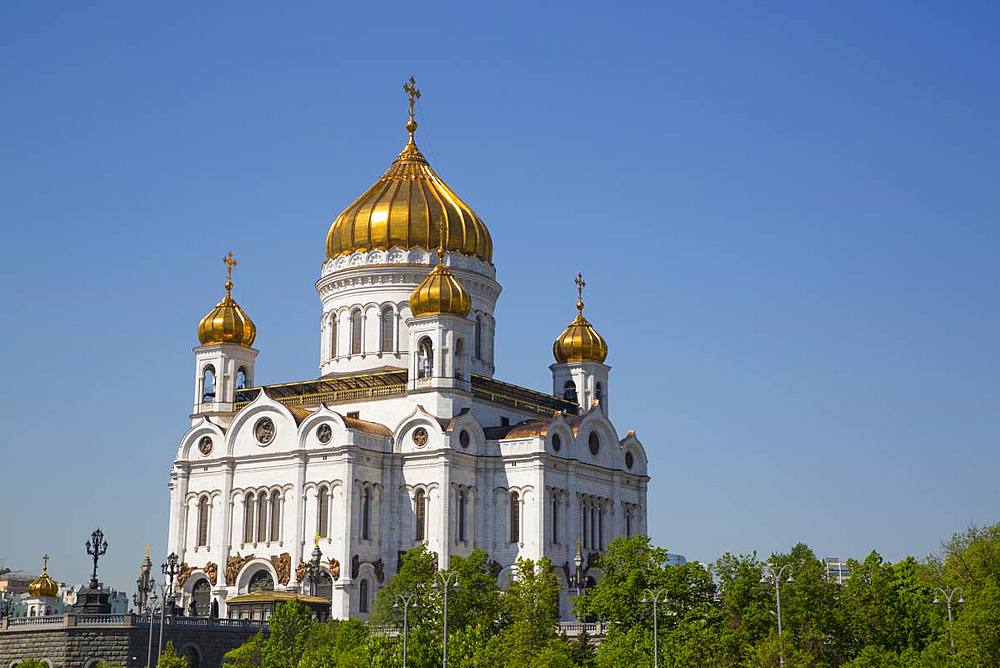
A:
[343,587]
[444,538]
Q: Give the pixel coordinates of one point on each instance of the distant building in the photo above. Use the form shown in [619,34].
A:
[676,559]
[837,570]
[16,582]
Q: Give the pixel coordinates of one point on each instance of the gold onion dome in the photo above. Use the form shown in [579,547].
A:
[227,322]
[402,207]
[44,586]
[580,342]
[440,293]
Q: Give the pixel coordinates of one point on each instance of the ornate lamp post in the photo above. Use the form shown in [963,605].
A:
[445,582]
[776,577]
[655,596]
[96,548]
[313,568]
[947,595]
[405,601]
[151,608]
[170,570]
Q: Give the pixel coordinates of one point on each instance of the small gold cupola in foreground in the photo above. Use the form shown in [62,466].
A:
[227,322]
[440,293]
[44,586]
[580,342]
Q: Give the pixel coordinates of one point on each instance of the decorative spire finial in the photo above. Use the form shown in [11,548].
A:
[410,88]
[45,563]
[580,283]
[147,551]
[230,262]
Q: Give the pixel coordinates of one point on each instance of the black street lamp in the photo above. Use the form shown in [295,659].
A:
[313,569]
[96,548]
[170,571]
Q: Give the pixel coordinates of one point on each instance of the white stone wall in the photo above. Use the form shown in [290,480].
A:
[393,468]
[372,282]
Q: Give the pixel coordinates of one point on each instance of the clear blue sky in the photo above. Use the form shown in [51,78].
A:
[787,216]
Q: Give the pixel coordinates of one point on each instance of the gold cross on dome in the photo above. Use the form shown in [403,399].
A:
[441,228]
[410,88]
[45,563]
[580,283]
[230,262]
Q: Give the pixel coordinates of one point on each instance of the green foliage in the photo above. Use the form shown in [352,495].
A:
[32,663]
[882,616]
[169,658]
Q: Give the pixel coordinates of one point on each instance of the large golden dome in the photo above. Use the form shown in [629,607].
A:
[403,208]
[440,293]
[580,342]
[227,322]
[44,586]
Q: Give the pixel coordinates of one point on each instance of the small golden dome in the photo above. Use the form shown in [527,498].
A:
[44,586]
[402,207]
[227,322]
[580,342]
[440,293]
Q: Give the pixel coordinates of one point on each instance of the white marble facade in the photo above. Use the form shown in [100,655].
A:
[388,449]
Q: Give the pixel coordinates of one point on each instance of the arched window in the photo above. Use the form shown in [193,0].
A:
[600,527]
[569,391]
[261,581]
[366,511]
[356,332]
[323,512]
[275,515]
[459,357]
[420,510]
[479,337]
[628,522]
[461,515]
[202,597]
[208,384]
[262,517]
[425,359]
[248,524]
[555,518]
[363,596]
[241,379]
[333,336]
[388,323]
[598,392]
[324,588]
[515,518]
[203,521]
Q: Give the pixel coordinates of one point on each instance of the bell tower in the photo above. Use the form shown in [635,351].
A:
[579,373]
[440,334]
[224,362]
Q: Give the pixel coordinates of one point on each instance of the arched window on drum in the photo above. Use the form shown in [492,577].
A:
[388,321]
[356,332]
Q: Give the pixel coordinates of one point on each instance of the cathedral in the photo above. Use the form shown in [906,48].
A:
[406,437]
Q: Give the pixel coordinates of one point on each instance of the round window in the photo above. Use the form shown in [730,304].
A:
[324,433]
[205,445]
[264,430]
[594,441]
[420,437]
[556,442]
[629,460]
[463,438]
